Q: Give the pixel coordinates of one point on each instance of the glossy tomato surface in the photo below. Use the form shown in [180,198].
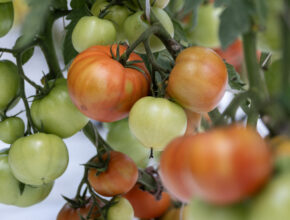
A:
[198,79]
[145,205]
[121,210]
[120,176]
[6,17]
[102,88]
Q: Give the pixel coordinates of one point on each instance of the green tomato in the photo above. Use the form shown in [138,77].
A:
[121,139]
[202,211]
[176,5]
[56,114]
[156,121]
[6,17]
[11,129]
[90,31]
[10,191]
[135,25]
[38,159]
[1,1]
[9,83]
[155,3]
[273,202]
[205,33]
[121,210]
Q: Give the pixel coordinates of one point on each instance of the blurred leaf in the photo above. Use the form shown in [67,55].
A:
[27,54]
[273,77]
[235,81]
[192,7]
[60,4]
[220,3]
[179,32]
[260,13]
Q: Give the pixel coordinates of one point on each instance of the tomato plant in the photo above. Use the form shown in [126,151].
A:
[121,210]
[196,83]
[119,177]
[11,129]
[181,213]
[38,159]
[106,90]
[145,204]
[56,114]
[156,121]
[10,188]
[6,17]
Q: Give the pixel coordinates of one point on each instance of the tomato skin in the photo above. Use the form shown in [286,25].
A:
[9,83]
[120,176]
[135,25]
[120,138]
[11,129]
[241,163]
[145,205]
[273,201]
[175,214]
[56,114]
[38,159]
[10,192]
[122,210]
[156,121]
[102,88]
[198,79]
[6,17]
[90,31]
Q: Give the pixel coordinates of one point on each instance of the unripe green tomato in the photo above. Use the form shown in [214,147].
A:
[38,159]
[176,5]
[135,25]
[9,83]
[10,191]
[90,31]
[157,121]
[121,139]
[205,33]
[11,129]
[157,3]
[6,17]
[2,1]
[56,114]
[121,210]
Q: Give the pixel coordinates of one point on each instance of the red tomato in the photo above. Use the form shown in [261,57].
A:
[226,164]
[102,88]
[120,176]
[198,79]
[145,205]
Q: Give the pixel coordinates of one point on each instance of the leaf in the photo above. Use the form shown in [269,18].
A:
[68,50]
[192,7]
[221,3]
[235,81]
[27,54]
[35,20]
[234,21]
[77,4]
[60,4]
[260,13]
[179,32]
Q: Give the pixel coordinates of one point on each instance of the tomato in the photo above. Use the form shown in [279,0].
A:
[120,176]
[56,114]
[21,9]
[9,82]
[234,54]
[145,205]
[102,88]
[273,201]
[156,121]
[240,164]
[10,191]
[6,17]
[156,3]
[176,5]
[90,31]
[205,32]
[177,214]
[1,1]
[121,139]
[136,24]
[193,122]
[198,79]
[68,212]
[202,211]
[121,210]
[281,148]
[11,129]
[38,159]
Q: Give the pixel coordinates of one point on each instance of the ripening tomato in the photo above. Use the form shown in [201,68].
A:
[122,209]
[198,79]
[145,204]
[11,129]
[102,88]
[120,176]
[181,213]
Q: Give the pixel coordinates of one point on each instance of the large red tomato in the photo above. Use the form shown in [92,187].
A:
[198,79]
[145,205]
[226,164]
[102,88]
[120,176]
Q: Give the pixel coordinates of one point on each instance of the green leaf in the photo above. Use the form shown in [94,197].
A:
[179,32]
[235,20]
[235,81]
[27,54]
[35,20]
[77,4]
[68,50]
[260,14]
[60,4]
[222,3]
